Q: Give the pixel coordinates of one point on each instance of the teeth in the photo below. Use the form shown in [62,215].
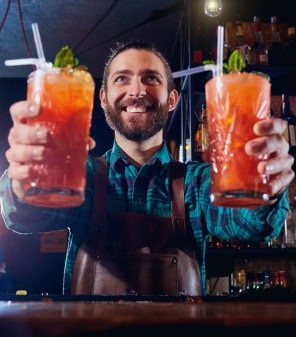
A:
[136,109]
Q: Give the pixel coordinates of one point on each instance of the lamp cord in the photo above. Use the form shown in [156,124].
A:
[5,15]
[23,28]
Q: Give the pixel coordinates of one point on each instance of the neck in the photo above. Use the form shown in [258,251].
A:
[139,152]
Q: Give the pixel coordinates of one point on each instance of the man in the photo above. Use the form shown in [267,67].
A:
[137,96]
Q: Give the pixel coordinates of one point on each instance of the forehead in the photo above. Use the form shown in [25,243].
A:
[136,61]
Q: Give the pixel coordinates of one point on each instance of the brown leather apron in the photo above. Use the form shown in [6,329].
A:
[133,253]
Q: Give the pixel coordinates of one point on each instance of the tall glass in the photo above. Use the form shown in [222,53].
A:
[235,102]
[66,100]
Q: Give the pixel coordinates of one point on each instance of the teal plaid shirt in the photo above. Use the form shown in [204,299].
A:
[146,190]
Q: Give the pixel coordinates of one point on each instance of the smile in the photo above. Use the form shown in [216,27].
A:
[136,108]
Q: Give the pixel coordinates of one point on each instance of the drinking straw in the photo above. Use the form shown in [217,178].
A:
[38,42]
[23,62]
[195,70]
[39,62]
[220,44]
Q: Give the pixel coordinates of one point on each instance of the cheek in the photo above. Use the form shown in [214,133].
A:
[160,95]
[115,94]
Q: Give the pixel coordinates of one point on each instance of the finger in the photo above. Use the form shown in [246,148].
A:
[275,164]
[18,172]
[25,134]
[20,153]
[262,147]
[270,126]
[21,110]
[278,182]
[91,143]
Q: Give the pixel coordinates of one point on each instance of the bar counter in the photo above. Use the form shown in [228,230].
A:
[67,317]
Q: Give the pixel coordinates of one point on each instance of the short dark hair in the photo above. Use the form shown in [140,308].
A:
[140,45]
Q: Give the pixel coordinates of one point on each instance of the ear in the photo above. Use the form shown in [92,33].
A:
[173,99]
[103,98]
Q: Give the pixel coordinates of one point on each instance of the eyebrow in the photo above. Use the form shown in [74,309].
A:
[143,72]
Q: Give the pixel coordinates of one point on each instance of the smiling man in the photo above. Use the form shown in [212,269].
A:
[144,224]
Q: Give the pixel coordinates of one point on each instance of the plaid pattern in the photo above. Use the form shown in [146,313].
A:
[146,190]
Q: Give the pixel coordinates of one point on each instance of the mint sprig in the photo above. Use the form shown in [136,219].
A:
[236,62]
[65,58]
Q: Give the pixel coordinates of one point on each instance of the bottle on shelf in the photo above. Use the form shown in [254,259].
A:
[289,239]
[201,138]
[290,48]
[276,49]
[240,41]
[214,242]
[286,114]
[258,54]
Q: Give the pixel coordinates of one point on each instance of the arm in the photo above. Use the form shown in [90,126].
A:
[260,223]
[25,218]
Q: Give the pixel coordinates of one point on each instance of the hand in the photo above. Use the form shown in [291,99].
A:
[27,144]
[273,149]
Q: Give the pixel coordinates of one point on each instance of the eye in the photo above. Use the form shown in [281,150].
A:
[151,78]
[121,79]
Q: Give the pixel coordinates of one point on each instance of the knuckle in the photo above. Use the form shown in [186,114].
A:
[11,136]
[9,155]
[291,160]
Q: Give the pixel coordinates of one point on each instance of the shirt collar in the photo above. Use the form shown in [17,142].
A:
[118,157]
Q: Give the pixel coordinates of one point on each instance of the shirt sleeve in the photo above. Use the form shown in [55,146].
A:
[24,218]
[258,224]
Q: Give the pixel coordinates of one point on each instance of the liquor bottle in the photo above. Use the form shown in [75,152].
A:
[258,54]
[276,50]
[290,221]
[240,41]
[201,135]
[290,133]
[290,48]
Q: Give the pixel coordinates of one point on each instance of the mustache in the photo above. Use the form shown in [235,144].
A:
[140,101]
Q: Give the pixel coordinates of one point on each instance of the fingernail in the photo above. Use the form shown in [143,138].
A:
[37,153]
[262,156]
[41,135]
[33,109]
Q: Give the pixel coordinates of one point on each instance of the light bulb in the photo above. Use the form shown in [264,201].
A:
[213,7]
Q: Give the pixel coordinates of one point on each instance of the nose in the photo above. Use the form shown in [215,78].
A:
[137,88]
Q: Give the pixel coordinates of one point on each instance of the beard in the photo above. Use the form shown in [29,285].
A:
[137,128]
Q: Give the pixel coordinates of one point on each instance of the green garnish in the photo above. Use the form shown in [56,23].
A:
[65,58]
[236,62]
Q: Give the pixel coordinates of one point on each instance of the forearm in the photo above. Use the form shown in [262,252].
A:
[261,223]
[24,218]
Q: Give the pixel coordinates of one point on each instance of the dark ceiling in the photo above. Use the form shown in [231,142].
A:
[91,27]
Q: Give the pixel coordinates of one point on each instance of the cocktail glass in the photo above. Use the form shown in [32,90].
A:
[66,101]
[235,102]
